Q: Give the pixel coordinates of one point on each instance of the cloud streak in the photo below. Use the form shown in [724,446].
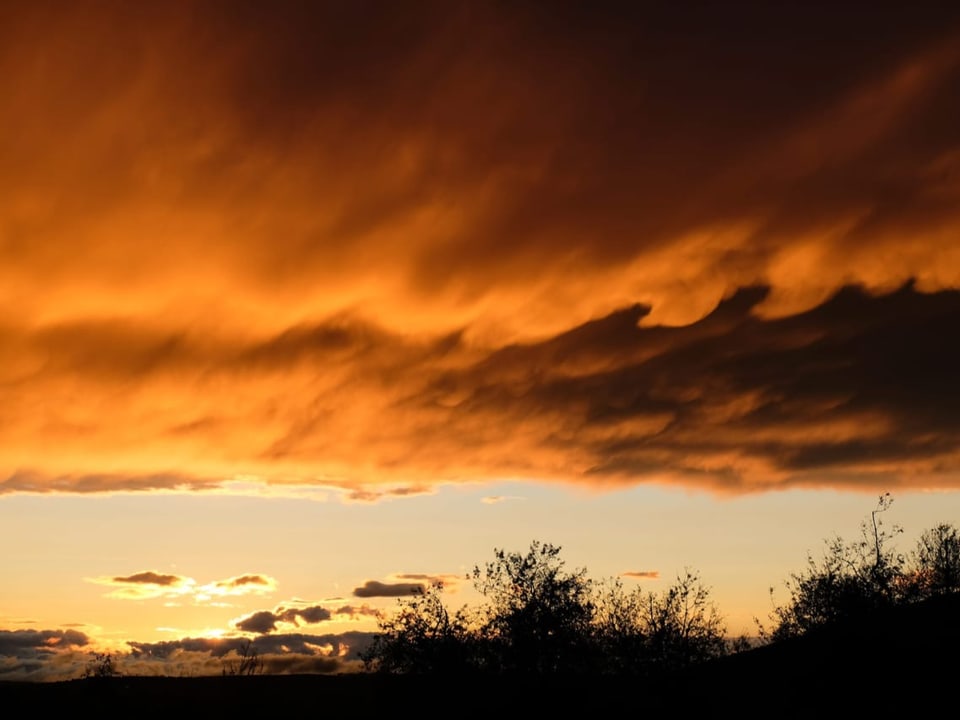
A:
[641,574]
[375,588]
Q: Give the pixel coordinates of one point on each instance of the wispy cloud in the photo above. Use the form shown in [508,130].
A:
[495,499]
[450,581]
[641,574]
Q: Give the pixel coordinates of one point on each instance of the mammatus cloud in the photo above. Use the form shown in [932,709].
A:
[149,584]
[382,254]
[374,588]
[641,574]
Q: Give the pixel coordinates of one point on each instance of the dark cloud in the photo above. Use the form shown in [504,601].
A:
[348,645]
[57,655]
[373,588]
[297,664]
[262,622]
[265,621]
[861,384]
[31,643]
[42,655]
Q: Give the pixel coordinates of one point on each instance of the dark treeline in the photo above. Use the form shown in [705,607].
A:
[540,618]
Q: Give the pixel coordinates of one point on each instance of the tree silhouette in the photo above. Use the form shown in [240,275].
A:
[683,626]
[538,616]
[642,632]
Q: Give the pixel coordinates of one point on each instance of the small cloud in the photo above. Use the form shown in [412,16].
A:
[151,578]
[373,588]
[146,585]
[494,499]
[355,613]
[449,581]
[244,580]
[251,583]
[261,622]
[266,621]
[641,574]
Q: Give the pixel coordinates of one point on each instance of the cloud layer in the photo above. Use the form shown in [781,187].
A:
[714,246]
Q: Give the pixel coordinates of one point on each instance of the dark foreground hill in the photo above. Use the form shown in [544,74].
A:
[905,661]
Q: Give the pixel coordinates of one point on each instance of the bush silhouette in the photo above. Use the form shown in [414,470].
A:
[102,665]
[934,566]
[540,618]
[538,615]
[642,632]
[423,637]
[248,661]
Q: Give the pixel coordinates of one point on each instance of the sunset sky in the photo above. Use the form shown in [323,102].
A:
[304,304]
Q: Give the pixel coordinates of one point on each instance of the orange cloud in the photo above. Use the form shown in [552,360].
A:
[476,242]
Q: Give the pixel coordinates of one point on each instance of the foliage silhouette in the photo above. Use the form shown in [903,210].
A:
[683,626]
[102,665]
[934,566]
[641,632]
[851,579]
[423,637]
[539,618]
[859,579]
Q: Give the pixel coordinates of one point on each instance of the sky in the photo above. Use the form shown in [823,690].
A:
[304,305]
